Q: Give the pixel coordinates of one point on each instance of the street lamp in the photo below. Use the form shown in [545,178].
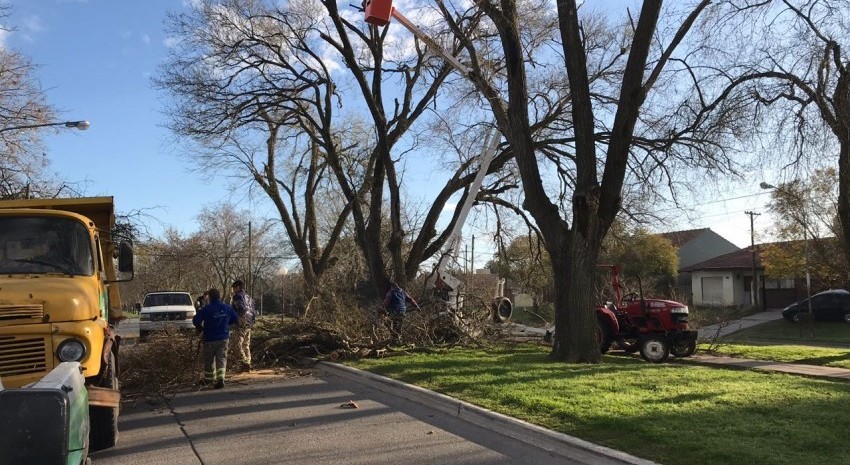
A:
[81,125]
[804,223]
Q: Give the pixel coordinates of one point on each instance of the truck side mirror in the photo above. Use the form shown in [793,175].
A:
[125,257]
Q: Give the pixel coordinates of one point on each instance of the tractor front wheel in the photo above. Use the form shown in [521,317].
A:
[655,349]
[684,349]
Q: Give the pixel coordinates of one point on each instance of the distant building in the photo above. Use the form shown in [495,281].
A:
[695,246]
[727,280]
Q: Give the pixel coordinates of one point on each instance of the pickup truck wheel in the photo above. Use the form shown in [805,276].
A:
[104,420]
[655,349]
[683,349]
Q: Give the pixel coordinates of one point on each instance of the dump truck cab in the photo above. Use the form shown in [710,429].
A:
[58,294]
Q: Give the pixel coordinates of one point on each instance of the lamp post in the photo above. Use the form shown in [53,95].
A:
[80,125]
[804,223]
[282,272]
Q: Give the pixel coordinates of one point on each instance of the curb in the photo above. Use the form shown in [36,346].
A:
[570,447]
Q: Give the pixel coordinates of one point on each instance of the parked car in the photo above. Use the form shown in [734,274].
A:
[827,305]
[167,309]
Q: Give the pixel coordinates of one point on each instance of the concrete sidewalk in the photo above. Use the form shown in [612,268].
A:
[724,329]
[764,365]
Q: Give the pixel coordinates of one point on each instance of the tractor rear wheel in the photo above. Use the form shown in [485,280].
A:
[683,349]
[104,420]
[655,349]
[603,334]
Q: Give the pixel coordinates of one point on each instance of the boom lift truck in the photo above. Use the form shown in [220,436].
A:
[446,287]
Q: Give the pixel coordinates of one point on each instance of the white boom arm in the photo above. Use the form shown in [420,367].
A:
[491,144]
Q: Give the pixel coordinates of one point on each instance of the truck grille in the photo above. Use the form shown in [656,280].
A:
[20,356]
[168,316]
[23,314]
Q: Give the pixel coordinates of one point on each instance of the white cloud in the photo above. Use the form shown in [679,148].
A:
[449,207]
[32,24]
[171,42]
[3,35]
[146,39]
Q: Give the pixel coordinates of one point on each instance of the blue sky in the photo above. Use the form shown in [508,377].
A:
[96,59]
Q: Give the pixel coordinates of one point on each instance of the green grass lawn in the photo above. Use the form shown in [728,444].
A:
[782,341]
[825,332]
[671,413]
[808,355]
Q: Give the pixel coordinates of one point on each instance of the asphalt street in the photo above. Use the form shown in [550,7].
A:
[306,420]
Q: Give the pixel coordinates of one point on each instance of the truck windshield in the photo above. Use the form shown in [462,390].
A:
[44,244]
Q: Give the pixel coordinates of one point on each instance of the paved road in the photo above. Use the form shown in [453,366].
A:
[128,328]
[301,421]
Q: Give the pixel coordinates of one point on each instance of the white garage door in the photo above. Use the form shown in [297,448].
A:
[712,290]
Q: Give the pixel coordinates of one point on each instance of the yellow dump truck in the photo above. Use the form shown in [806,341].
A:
[58,295]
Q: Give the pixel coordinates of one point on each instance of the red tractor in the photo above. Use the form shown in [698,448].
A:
[654,327]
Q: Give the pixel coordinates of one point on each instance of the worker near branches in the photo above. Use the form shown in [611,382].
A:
[244,306]
[395,303]
[215,320]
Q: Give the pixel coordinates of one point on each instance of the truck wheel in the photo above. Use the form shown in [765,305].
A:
[655,349]
[603,334]
[104,420]
[684,349]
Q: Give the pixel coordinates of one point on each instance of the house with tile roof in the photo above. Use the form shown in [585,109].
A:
[726,280]
[695,246]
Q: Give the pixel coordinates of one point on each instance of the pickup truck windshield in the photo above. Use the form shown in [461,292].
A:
[161,300]
[44,244]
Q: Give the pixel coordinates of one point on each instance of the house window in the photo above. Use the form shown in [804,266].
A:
[783,283]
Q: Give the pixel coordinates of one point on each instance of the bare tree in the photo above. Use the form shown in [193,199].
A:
[23,166]
[225,247]
[800,78]
[617,127]
[252,77]
[248,84]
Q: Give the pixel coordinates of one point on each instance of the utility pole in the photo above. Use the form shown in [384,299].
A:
[754,284]
[472,254]
[250,277]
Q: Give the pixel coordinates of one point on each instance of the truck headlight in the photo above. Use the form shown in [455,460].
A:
[71,350]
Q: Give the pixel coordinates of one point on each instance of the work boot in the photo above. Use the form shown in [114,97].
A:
[219,384]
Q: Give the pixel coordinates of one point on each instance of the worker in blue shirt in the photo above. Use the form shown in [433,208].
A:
[215,320]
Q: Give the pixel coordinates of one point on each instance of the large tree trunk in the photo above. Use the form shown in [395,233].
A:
[844,194]
[579,344]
